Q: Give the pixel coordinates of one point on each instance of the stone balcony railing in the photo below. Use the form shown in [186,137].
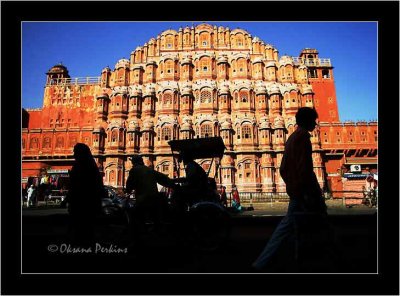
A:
[75,81]
[312,62]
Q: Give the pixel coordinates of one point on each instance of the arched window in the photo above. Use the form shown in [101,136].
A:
[186,39]
[121,136]
[246,132]
[204,39]
[205,96]
[239,41]
[244,96]
[111,176]
[166,133]
[241,66]
[72,141]
[46,142]
[167,99]
[169,67]
[60,142]
[34,143]
[206,131]
[114,135]
[169,42]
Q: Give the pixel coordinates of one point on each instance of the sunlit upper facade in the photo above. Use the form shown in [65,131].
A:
[201,81]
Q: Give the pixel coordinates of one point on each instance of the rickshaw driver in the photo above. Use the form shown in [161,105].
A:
[196,179]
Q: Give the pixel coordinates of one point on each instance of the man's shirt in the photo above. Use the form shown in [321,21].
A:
[297,165]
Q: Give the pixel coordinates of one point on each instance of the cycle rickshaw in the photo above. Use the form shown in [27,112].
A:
[206,221]
[202,222]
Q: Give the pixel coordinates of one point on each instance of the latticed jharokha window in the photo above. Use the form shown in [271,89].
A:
[204,39]
[167,99]
[166,133]
[169,41]
[246,132]
[169,67]
[186,39]
[244,97]
[204,65]
[206,131]
[114,136]
[239,41]
[205,96]
[241,65]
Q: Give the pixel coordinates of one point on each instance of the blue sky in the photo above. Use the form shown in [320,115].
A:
[85,48]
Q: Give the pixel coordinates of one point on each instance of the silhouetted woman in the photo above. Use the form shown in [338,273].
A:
[84,195]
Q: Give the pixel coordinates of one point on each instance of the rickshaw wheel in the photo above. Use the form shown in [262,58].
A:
[209,226]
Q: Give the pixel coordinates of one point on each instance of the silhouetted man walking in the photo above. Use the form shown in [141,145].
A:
[301,183]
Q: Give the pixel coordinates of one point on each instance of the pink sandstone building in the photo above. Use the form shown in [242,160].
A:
[201,81]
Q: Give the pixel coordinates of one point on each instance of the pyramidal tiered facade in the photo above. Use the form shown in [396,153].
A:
[201,81]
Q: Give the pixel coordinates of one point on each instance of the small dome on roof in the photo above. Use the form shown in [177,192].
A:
[227,124]
[264,122]
[261,90]
[135,91]
[122,63]
[186,90]
[279,122]
[98,130]
[103,95]
[257,60]
[222,59]
[187,60]
[187,124]
[270,64]
[148,124]
[307,89]
[106,69]
[133,125]
[150,91]
[58,68]
[224,90]
[286,60]
[274,89]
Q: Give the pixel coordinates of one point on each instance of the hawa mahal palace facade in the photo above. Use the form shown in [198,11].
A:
[200,81]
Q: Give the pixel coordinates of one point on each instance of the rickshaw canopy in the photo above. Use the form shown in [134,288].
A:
[199,148]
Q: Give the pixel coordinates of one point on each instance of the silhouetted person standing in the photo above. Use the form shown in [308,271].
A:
[223,197]
[144,181]
[84,195]
[301,183]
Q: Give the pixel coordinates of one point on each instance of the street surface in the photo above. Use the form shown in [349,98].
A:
[46,250]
